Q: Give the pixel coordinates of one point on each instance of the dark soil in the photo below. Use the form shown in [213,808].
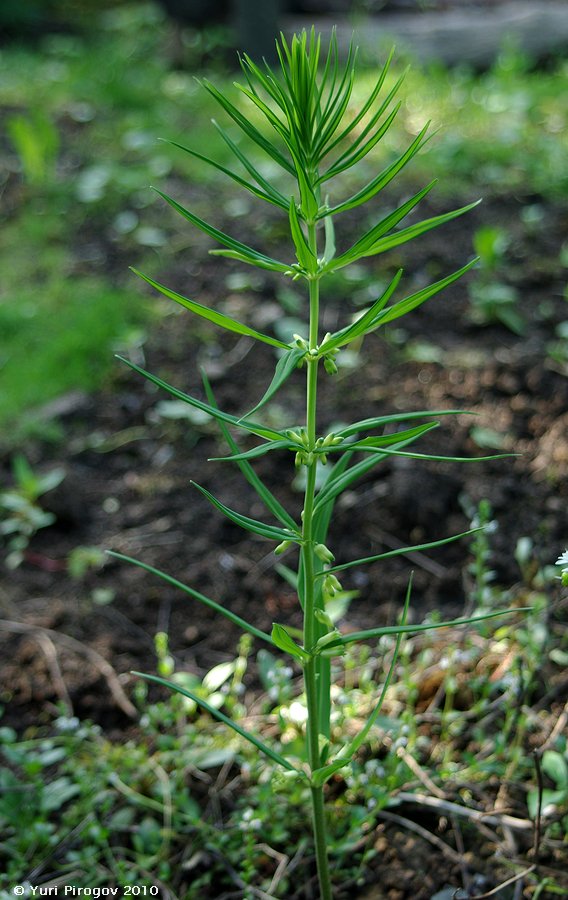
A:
[128,473]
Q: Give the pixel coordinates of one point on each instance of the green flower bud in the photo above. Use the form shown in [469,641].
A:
[282,547]
[322,553]
[324,619]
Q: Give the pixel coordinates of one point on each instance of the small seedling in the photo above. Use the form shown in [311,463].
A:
[21,515]
[310,137]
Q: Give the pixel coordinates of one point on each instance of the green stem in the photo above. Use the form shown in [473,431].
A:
[312,688]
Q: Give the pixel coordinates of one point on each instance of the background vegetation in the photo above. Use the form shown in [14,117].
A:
[82,112]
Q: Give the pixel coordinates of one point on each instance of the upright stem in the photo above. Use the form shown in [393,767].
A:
[310,622]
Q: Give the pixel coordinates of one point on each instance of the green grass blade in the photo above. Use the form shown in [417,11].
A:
[221,717]
[201,598]
[243,252]
[403,551]
[268,434]
[271,532]
[212,315]
[267,497]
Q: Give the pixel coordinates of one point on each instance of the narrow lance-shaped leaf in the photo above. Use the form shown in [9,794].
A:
[380,442]
[372,633]
[271,532]
[251,427]
[358,148]
[364,246]
[201,598]
[395,419]
[348,752]
[304,252]
[366,107]
[360,152]
[234,248]
[277,198]
[403,551]
[212,315]
[268,196]
[383,178]
[389,451]
[267,497]
[287,364]
[249,129]
[221,717]
[257,452]
[406,234]
[364,322]
[335,487]
[414,300]
[282,640]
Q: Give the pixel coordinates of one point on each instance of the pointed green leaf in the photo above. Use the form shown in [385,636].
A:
[333,488]
[256,452]
[329,251]
[351,749]
[271,532]
[221,717]
[395,419]
[414,300]
[389,451]
[372,633]
[201,598]
[383,178]
[304,253]
[282,640]
[413,231]
[357,149]
[287,364]
[234,248]
[386,440]
[365,322]
[253,479]
[321,776]
[250,427]
[366,244]
[277,198]
[308,199]
[268,196]
[212,315]
[403,551]
[249,129]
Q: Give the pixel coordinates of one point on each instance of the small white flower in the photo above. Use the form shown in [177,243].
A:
[563,559]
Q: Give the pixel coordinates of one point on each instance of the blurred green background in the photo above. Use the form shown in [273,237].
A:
[86,91]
